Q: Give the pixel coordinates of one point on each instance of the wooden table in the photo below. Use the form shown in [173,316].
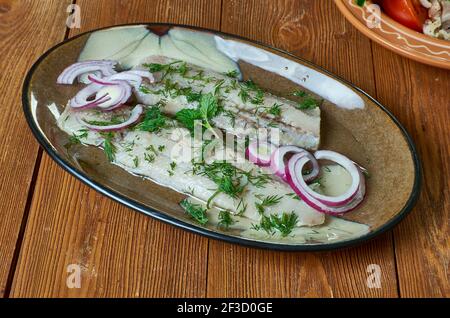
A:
[50,220]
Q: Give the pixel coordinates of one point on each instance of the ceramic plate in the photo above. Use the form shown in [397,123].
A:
[353,124]
[396,37]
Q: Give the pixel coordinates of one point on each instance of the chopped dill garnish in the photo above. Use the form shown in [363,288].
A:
[153,121]
[267,202]
[232,74]
[150,158]
[249,88]
[241,208]
[218,87]
[228,178]
[128,147]
[179,67]
[76,138]
[173,166]
[232,117]
[108,146]
[195,211]
[152,148]
[274,110]
[307,101]
[284,224]
[200,76]
[161,148]
[112,121]
[299,93]
[225,220]
[136,161]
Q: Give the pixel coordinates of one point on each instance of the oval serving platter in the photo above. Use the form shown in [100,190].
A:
[353,124]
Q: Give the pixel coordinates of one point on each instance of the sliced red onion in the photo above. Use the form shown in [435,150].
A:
[278,162]
[312,198]
[68,76]
[132,77]
[109,95]
[260,153]
[342,161]
[81,100]
[134,117]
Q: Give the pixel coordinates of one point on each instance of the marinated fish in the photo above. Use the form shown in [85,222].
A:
[166,157]
[247,109]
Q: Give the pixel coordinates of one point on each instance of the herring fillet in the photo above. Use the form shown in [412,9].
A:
[177,144]
[297,127]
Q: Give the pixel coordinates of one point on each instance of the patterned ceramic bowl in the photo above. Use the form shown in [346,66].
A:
[394,36]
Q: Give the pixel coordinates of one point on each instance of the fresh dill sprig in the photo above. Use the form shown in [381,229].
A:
[249,88]
[267,202]
[225,220]
[299,93]
[76,138]
[232,74]
[218,87]
[307,101]
[173,166]
[274,110]
[112,121]
[161,148]
[150,158]
[174,67]
[136,161]
[284,224]
[108,146]
[232,117]
[195,211]
[228,178]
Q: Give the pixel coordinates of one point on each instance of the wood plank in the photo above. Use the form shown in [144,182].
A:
[122,253]
[316,31]
[22,40]
[419,96]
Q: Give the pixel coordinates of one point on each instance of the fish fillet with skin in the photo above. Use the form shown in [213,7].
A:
[245,110]
[162,158]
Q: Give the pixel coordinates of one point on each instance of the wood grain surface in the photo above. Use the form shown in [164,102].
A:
[122,253]
[419,96]
[234,271]
[22,26]
[51,220]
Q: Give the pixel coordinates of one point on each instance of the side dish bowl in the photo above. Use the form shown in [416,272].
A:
[396,37]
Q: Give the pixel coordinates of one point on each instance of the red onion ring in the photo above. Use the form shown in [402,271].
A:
[311,198]
[278,164]
[68,76]
[260,153]
[116,93]
[134,117]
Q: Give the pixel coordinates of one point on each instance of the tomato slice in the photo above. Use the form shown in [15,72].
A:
[410,13]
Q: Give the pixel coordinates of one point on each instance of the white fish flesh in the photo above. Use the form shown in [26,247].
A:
[165,158]
[247,108]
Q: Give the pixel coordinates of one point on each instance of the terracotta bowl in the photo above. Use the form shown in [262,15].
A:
[396,37]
